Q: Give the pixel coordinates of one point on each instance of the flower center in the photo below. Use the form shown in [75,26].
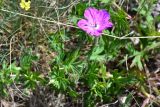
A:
[94,26]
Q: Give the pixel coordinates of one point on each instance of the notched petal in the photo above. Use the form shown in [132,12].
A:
[109,24]
[103,14]
[83,24]
[90,13]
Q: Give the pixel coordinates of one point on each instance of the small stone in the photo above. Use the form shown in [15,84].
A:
[122,99]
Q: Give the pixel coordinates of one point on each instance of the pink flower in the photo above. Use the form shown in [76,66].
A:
[96,21]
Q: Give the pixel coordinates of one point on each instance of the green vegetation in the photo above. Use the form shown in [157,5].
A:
[44,54]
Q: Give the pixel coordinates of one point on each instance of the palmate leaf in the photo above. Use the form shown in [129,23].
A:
[26,61]
[142,55]
[31,79]
[58,80]
[98,51]
[92,74]
[96,54]
[8,75]
[71,57]
[154,45]
[98,88]
[137,61]
[9,72]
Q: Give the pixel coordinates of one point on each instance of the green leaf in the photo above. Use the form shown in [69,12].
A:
[58,80]
[106,1]
[73,93]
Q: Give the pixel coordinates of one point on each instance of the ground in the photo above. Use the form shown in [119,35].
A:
[48,61]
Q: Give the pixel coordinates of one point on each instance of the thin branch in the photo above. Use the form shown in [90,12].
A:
[38,18]
[69,25]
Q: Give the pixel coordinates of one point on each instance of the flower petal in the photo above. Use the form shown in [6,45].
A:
[102,20]
[103,15]
[83,24]
[96,21]
[105,25]
[97,33]
[90,14]
[109,24]
[94,32]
